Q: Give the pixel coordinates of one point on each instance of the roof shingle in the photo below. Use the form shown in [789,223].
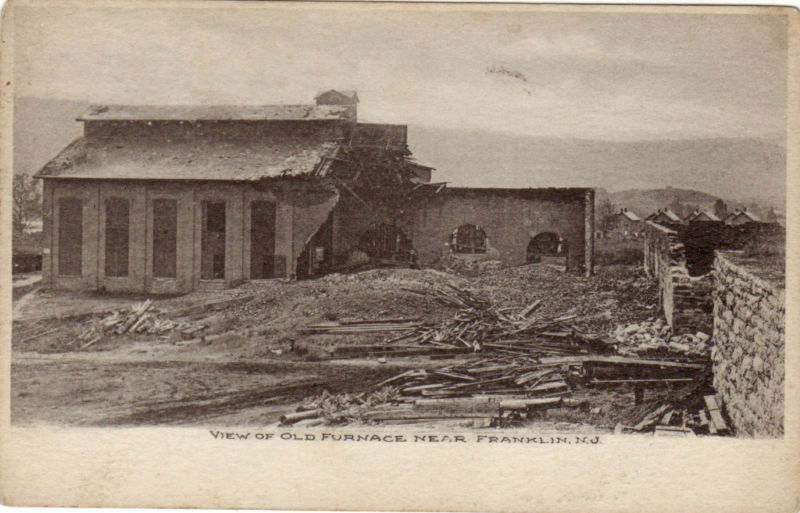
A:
[215,113]
[206,158]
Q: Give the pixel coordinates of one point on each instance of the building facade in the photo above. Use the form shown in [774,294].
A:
[168,200]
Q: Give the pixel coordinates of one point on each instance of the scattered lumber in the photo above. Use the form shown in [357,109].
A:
[511,361]
[140,318]
[361,326]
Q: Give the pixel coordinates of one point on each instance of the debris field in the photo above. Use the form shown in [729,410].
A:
[519,365]
[509,347]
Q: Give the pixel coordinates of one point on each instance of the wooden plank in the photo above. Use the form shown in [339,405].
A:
[395,378]
[420,388]
[718,421]
[549,387]
[672,431]
[711,402]
[619,360]
[530,308]
[524,404]
[426,416]
[712,428]
[596,381]
[703,418]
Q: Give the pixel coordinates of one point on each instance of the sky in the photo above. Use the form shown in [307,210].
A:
[517,70]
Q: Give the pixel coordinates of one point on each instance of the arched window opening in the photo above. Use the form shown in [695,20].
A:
[385,241]
[468,239]
[548,245]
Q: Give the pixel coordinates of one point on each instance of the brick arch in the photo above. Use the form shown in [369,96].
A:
[469,238]
[546,244]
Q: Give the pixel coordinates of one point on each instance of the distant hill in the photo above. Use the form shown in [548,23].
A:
[734,169]
[636,174]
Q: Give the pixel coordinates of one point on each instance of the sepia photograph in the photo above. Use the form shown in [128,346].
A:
[478,224]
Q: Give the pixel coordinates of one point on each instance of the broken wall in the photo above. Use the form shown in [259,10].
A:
[684,300]
[351,219]
[509,217]
[748,351]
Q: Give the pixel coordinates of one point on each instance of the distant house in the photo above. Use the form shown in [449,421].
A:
[625,224]
[741,216]
[701,216]
[664,216]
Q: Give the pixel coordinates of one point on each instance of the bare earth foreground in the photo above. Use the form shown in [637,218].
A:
[251,362]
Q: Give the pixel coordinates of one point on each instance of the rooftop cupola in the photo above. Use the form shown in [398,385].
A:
[340,97]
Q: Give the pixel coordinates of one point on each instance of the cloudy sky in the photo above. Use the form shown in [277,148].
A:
[510,69]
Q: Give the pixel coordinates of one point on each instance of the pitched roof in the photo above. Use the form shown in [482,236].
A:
[630,215]
[670,215]
[745,213]
[201,158]
[215,113]
[699,213]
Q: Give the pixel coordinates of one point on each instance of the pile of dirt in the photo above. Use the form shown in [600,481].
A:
[613,295]
[270,322]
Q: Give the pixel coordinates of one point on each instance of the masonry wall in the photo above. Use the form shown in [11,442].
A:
[510,218]
[684,300]
[301,208]
[748,352]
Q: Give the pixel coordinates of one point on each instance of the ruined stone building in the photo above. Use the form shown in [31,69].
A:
[170,199]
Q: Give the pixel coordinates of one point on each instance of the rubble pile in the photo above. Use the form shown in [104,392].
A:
[331,409]
[478,325]
[138,319]
[510,364]
[671,419]
[655,336]
[503,390]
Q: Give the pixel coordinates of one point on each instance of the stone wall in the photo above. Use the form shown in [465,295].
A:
[748,352]
[684,300]
[509,217]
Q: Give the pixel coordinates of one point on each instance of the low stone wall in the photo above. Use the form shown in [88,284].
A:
[692,303]
[748,351]
[685,300]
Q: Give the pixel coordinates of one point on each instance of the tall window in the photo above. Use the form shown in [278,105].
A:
[263,262]
[165,238]
[70,236]
[468,238]
[117,233]
[212,265]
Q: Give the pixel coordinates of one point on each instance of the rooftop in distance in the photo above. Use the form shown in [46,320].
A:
[215,113]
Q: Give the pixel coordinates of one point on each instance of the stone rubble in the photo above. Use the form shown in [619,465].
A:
[655,336]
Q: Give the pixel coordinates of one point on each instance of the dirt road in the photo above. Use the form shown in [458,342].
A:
[124,389]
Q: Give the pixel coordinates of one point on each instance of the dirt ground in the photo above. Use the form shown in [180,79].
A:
[252,364]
